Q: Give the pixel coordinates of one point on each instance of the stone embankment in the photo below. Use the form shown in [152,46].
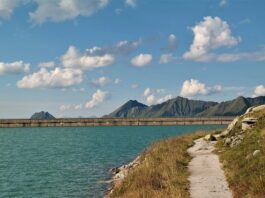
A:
[7,123]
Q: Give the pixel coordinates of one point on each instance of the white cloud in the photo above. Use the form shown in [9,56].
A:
[117,81]
[61,10]
[7,7]
[97,98]
[101,82]
[141,60]
[172,42]
[223,3]
[72,59]
[147,92]
[210,34]
[165,98]
[134,86]
[166,58]
[14,67]
[57,78]
[120,48]
[191,88]
[131,3]
[47,65]
[259,91]
[151,99]
[70,106]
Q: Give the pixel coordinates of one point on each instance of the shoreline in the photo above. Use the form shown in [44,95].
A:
[120,173]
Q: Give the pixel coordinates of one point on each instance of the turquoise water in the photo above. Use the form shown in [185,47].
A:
[71,162]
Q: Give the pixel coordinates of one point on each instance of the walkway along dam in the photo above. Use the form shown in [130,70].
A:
[75,122]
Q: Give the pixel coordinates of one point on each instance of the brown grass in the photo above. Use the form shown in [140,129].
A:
[162,171]
[246,173]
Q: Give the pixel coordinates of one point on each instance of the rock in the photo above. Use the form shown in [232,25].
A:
[217,136]
[236,140]
[229,128]
[250,109]
[210,137]
[256,152]
[228,141]
[248,122]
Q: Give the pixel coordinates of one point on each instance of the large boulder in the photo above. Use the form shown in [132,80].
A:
[248,123]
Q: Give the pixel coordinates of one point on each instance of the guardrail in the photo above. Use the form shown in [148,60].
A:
[74,122]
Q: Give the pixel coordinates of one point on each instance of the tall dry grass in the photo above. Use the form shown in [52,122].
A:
[162,172]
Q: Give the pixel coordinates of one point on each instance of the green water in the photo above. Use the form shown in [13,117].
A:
[71,162]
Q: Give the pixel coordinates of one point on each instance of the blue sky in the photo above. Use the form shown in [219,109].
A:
[87,57]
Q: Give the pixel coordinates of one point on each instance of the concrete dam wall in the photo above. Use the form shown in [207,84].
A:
[75,122]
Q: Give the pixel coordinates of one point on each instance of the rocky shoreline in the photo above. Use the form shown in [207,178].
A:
[119,173]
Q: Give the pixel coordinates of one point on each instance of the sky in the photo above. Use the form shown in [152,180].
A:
[85,58]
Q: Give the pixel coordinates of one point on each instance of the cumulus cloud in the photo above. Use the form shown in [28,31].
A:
[166,58]
[49,64]
[14,67]
[259,91]
[151,98]
[72,59]
[101,81]
[210,34]
[131,3]
[97,98]
[142,60]
[57,78]
[191,88]
[165,98]
[61,10]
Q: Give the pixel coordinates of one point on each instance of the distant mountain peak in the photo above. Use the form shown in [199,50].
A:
[180,106]
[42,116]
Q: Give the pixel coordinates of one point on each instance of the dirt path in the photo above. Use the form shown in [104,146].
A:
[207,179]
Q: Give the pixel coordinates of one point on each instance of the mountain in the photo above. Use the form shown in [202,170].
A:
[175,107]
[132,108]
[42,116]
[179,106]
[234,107]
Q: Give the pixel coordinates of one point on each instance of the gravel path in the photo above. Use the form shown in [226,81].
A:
[207,179]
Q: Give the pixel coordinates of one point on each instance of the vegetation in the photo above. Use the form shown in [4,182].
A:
[184,107]
[246,172]
[162,171]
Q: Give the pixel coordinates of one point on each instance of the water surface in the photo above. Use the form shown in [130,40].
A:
[71,162]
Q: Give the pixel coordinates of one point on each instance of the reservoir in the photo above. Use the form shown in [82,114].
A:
[72,161]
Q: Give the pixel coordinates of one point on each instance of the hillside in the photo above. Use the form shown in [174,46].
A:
[42,116]
[132,108]
[241,148]
[180,106]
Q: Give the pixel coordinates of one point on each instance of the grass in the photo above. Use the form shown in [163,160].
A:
[246,173]
[162,172]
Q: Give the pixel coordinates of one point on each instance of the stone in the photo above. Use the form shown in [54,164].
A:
[247,123]
[210,137]
[229,128]
[236,140]
[256,152]
[228,141]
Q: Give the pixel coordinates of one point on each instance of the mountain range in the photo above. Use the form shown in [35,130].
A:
[181,107]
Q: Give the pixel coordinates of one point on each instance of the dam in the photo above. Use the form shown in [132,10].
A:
[81,122]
